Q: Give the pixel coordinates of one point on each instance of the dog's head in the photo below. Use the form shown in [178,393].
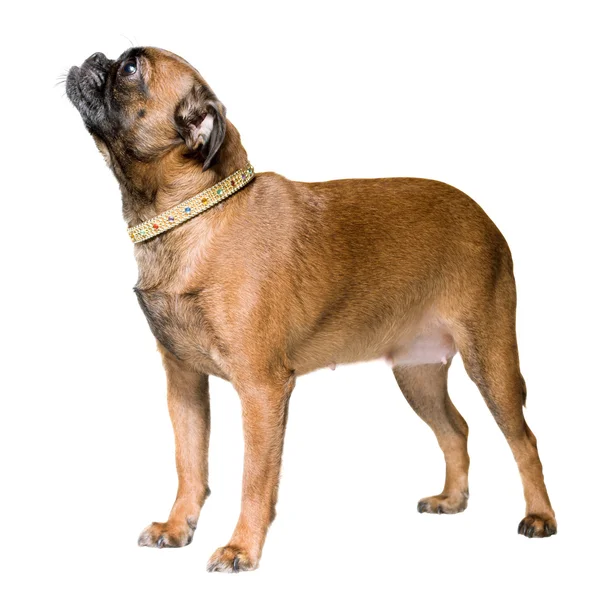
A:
[145,104]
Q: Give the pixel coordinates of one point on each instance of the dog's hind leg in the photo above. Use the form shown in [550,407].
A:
[425,387]
[488,345]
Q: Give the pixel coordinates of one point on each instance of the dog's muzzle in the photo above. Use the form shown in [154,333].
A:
[85,87]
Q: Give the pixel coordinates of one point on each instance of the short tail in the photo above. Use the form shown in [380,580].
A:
[524,386]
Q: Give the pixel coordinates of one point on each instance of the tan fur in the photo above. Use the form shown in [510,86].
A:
[284,278]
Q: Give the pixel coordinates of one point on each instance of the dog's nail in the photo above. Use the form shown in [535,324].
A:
[236,564]
[530,531]
[160,542]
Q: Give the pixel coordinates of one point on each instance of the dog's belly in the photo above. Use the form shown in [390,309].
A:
[178,323]
[430,347]
[427,341]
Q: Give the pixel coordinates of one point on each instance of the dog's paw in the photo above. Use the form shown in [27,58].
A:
[443,504]
[537,526]
[231,559]
[168,535]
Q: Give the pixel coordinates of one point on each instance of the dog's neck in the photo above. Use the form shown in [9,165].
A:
[175,177]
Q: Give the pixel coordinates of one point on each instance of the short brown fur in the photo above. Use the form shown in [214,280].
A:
[284,278]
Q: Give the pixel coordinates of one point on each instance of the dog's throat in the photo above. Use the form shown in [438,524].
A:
[188,209]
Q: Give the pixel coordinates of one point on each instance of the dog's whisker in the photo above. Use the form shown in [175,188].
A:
[62,78]
[131,44]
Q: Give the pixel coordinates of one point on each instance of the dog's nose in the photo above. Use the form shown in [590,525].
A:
[97,58]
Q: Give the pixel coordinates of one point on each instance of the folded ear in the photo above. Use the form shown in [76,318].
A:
[200,120]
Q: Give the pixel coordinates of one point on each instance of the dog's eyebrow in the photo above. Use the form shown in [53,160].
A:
[133,52]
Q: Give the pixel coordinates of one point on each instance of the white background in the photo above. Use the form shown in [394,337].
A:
[499,99]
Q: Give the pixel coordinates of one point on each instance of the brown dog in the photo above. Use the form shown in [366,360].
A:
[283,278]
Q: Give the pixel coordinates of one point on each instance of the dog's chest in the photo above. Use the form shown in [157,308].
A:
[180,325]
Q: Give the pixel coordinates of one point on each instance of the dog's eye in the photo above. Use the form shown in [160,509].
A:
[129,68]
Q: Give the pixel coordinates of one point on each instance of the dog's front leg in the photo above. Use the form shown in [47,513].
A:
[264,413]
[187,395]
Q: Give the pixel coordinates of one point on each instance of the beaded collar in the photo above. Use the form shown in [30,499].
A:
[193,206]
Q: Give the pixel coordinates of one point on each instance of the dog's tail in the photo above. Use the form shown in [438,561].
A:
[524,392]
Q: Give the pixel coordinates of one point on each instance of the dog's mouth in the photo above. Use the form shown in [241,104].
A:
[86,86]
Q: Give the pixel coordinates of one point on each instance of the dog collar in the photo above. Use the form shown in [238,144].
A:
[192,207]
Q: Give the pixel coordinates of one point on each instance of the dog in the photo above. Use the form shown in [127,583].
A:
[257,279]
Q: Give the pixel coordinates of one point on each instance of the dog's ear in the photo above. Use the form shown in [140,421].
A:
[200,121]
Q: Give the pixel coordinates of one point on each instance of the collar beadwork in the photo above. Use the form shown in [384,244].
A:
[192,207]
